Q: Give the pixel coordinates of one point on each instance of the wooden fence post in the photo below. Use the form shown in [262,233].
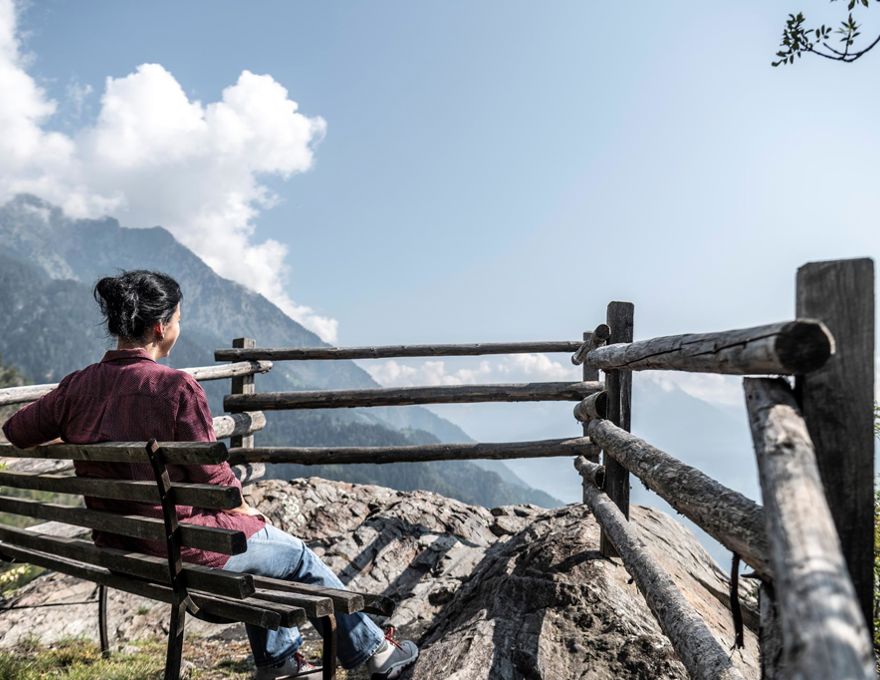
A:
[618,384]
[589,374]
[770,634]
[837,404]
[243,384]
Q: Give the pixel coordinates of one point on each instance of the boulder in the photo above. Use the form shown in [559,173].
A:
[512,592]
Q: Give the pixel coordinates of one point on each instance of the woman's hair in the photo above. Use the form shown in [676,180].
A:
[133,301]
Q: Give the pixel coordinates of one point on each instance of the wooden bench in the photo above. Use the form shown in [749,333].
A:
[214,595]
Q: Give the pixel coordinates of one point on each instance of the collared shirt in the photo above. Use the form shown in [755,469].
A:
[130,397]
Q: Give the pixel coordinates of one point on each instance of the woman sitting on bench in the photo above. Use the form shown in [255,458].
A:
[128,396]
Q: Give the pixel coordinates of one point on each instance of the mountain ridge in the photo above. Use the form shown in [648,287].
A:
[48,263]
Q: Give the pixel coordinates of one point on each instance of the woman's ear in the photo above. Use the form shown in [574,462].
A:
[159,330]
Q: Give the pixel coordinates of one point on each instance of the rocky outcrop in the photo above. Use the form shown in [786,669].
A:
[515,592]
[546,604]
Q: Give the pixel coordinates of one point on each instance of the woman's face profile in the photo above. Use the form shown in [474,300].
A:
[171,333]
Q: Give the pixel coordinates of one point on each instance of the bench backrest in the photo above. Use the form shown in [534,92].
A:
[222,595]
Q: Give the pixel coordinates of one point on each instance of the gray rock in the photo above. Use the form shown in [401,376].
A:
[516,592]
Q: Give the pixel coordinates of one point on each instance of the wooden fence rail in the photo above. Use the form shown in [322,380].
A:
[824,634]
[578,446]
[729,517]
[786,348]
[392,351]
[699,651]
[28,393]
[397,396]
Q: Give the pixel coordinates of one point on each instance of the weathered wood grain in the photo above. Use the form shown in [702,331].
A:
[130,563]
[313,605]
[729,517]
[206,538]
[344,601]
[179,453]
[770,635]
[398,396]
[244,611]
[577,446]
[823,631]
[593,407]
[238,424]
[28,393]
[786,348]
[243,384]
[223,371]
[590,471]
[619,406]
[200,495]
[591,341]
[393,351]
[837,402]
[699,651]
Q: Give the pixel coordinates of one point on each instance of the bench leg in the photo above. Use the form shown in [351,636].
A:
[102,621]
[175,641]
[328,656]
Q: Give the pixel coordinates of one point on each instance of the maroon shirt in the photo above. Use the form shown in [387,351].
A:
[130,397]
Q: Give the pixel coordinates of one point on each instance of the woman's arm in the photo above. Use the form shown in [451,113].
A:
[194,423]
[38,422]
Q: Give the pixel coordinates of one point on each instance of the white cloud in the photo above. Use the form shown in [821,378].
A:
[515,368]
[722,390]
[155,156]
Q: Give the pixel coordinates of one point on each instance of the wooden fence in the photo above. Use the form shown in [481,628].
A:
[811,543]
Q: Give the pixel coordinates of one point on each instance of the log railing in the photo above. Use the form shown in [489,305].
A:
[29,393]
[809,542]
[812,627]
[801,543]
[392,351]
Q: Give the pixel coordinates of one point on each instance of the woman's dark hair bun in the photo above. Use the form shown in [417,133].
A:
[134,300]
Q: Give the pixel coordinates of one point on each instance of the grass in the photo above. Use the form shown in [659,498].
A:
[14,576]
[78,659]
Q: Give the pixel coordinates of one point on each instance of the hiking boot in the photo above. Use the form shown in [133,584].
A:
[294,666]
[392,657]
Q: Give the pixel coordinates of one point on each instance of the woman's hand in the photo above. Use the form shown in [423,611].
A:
[245,509]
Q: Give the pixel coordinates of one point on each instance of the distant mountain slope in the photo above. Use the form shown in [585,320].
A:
[50,326]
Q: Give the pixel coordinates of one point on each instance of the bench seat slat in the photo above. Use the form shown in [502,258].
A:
[199,495]
[288,615]
[244,611]
[219,540]
[313,605]
[344,601]
[140,565]
[178,453]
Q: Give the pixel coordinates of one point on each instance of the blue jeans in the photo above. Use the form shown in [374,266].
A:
[276,554]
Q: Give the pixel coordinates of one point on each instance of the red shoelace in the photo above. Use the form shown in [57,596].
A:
[389,635]
[303,664]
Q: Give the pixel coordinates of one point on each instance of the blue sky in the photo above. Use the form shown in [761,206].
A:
[464,171]
[501,170]
[460,171]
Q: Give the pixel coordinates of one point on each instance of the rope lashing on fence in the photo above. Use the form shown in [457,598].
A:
[702,655]
[785,348]
[729,517]
[823,629]
[597,338]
